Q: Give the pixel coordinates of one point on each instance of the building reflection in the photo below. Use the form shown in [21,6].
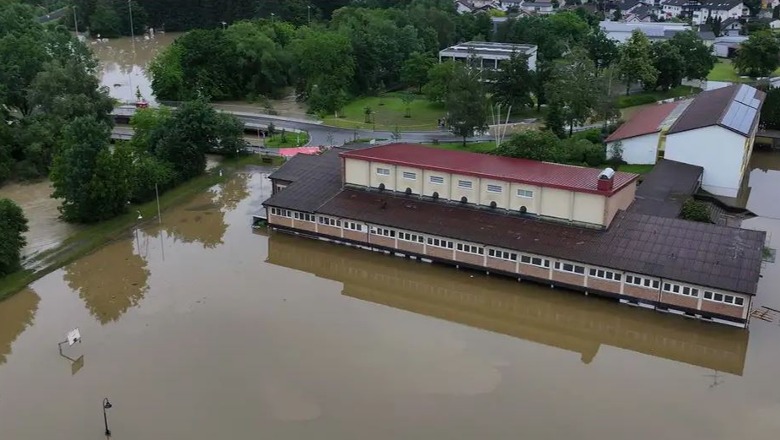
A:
[110,280]
[16,314]
[556,318]
[202,220]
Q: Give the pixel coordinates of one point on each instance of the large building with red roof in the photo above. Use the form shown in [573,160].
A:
[560,225]
[715,130]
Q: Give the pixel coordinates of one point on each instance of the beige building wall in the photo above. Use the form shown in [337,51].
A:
[532,204]
[556,203]
[486,197]
[442,188]
[620,200]
[402,183]
[456,192]
[378,179]
[589,208]
[356,172]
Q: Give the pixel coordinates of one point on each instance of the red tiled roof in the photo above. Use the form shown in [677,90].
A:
[645,121]
[531,172]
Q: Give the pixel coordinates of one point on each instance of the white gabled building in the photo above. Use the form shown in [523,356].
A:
[723,9]
[715,131]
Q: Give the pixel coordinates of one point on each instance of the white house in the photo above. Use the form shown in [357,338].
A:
[620,32]
[539,7]
[774,24]
[724,9]
[715,131]
[489,55]
[726,47]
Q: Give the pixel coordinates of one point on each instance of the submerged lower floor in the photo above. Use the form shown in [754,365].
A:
[629,287]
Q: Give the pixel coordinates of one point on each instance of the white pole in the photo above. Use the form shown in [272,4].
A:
[157,193]
[132,40]
[75,21]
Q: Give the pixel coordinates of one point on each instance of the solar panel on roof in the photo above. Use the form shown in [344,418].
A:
[746,95]
[739,117]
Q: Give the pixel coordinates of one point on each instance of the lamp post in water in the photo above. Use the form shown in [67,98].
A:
[106,405]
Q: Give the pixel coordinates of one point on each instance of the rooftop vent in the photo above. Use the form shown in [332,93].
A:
[606,179]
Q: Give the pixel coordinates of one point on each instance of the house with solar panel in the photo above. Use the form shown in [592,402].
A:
[715,130]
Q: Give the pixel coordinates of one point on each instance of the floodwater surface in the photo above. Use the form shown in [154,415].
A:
[198,328]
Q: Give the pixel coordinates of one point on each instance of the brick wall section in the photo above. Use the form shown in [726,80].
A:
[382,241]
[499,264]
[680,300]
[569,278]
[535,271]
[329,230]
[438,252]
[306,226]
[409,246]
[465,257]
[640,292]
[355,235]
[604,285]
[279,220]
[723,309]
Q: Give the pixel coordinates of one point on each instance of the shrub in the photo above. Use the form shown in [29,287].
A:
[696,211]
[634,100]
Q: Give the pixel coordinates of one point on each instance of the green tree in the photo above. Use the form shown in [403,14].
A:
[553,120]
[531,144]
[602,49]
[770,111]
[574,87]
[513,82]
[758,56]
[13,225]
[92,181]
[324,60]
[440,76]
[414,72]
[696,211]
[466,104]
[669,63]
[697,56]
[636,61]
[105,20]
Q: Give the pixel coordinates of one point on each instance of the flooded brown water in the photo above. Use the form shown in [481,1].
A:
[200,329]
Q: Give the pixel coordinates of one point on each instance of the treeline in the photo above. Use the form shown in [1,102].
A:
[359,51]
[111,18]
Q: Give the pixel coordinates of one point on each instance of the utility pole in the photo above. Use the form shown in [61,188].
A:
[132,41]
[308,13]
[75,21]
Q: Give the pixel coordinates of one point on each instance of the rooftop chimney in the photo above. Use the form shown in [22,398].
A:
[606,180]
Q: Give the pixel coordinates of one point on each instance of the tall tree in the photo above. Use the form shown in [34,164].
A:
[440,77]
[513,82]
[670,65]
[414,72]
[574,87]
[92,182]
[770,111]
[325,60]
[13,225]
[467,104]
[758,56]
[697,56]
[602,49]
[636,61]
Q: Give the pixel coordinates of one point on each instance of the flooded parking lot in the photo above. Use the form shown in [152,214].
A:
[198,328]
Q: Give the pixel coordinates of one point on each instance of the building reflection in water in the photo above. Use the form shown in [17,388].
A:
[111,280]
[202,220]
[16,314]
[524,310]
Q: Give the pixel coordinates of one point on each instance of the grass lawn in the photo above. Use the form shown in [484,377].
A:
[288,140]
[389,113]
[632,100]
[92,237]
[474,147]
[636,169]
[724,71]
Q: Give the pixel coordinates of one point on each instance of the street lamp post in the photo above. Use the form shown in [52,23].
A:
[308,13]
[224,25]
[138,237]
[106,405]
[75,21]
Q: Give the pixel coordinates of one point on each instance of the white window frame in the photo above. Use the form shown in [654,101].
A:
[604,274]
[535,261]
[409,175]
[382,171]
[572,268]
[440,243]
[354,226]
[495,189]
[502,255]
[525,193]
[725,298]
[384,232]
[638,281]
[465,184]
[470,249]
[439,180]
[412,238]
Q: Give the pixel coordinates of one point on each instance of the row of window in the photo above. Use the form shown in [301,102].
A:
[383,232]
[605,274]
[305,216]
[463,184]
[642,282]
[470,248]
[511,256]
[568,267]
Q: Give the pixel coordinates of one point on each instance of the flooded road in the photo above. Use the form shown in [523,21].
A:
[198,328]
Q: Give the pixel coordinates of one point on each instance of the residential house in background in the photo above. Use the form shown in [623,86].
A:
[679,8]
[726,47]
[621,32]
[723,9]
[539,7]
[715,130]
[730,27]
[488,55]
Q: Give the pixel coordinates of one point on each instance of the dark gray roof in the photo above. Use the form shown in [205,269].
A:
[664,189]
[699,253]
[736,108]
[721,5]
